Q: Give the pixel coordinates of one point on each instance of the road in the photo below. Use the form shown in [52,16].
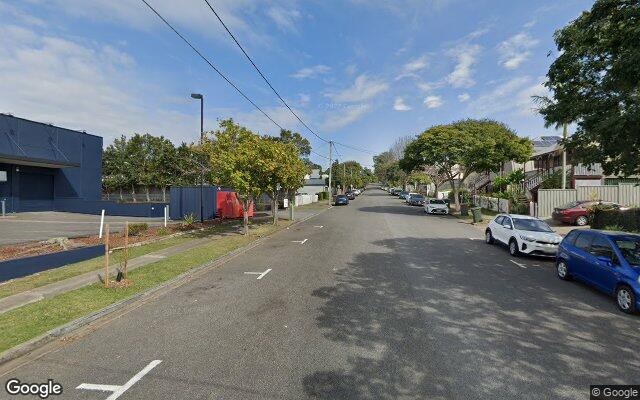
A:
[380,302]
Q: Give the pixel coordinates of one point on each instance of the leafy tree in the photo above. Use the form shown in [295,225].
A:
[457,150]
[117,173]
[240,159]
[595,82]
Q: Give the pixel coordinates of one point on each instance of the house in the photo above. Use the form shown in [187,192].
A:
[314,182]
[545,161]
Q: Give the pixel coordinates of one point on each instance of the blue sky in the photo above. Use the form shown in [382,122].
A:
[362,72]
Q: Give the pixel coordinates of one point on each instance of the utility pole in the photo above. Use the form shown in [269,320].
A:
[330,165]
[200,97]
[564,157]
[344,177]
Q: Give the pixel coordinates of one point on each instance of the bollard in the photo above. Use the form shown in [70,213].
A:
[101,224]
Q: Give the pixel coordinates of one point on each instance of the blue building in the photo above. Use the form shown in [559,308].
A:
[45,168]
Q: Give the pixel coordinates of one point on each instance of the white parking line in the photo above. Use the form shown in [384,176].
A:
[518,264]
[318,226]
[299,241]
[260,274]
[117,390]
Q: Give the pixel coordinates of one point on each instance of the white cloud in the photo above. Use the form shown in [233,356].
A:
[400,105]
[304,99]
[364,88]
[285,18]
[466,56]
[464,97]
[86,87]
[351,69]
[516,50]
[512,96]
[417,64]
[433,101]
[310,72]
[344,117]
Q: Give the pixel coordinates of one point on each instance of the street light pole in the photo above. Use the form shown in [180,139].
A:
[201,98]
[330,165]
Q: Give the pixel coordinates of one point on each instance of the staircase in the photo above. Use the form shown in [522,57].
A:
[481,181]
[536,180]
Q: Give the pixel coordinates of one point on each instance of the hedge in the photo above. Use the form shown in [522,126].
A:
[628,220]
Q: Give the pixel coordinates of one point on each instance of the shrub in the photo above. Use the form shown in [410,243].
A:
[188,221]
[602,216]
[323,195]
[136,229]
[463,194]
[500,183]
[163,231]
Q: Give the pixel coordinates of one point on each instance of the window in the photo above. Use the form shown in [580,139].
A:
[630,249]
[583,241]
[533,225]
[601,247]
[571,237]
[507,221]
[499,219]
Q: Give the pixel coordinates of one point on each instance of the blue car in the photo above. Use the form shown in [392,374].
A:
[608,261]
[341,200]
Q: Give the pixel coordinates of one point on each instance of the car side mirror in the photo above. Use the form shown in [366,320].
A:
[605,260]
[506,226]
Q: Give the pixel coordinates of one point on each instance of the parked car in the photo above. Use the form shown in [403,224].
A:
[436,206]
[523,234]
[416,200]
[577,212]
[357,192]
[408,196]
[394,191]
[402,194]
[341,200]
[608,261]
[351,195]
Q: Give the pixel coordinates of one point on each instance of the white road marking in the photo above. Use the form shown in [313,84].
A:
[476,238]
[299,241]
[318,226]
[260,274]
[117,390]
[518,264]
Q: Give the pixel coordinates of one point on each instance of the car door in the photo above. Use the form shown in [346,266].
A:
[579,252]
[496,226]
[506,229]
[603,274]
[501,231]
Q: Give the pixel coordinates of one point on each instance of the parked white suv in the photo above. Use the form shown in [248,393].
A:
[523,234]
[436,206]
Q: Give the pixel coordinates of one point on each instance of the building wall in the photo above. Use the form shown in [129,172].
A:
[64,164]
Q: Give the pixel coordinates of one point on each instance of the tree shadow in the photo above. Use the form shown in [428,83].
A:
[449,318]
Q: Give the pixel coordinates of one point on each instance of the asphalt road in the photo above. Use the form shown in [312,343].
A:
[380,302]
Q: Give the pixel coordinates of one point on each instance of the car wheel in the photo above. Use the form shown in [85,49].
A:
[513,248]
[582,220]
[563,270]
[488,237]
[626,299]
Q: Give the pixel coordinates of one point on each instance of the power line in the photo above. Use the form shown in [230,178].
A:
[339,156]
[261,74]
[320,155]
[354,148]
[210,64]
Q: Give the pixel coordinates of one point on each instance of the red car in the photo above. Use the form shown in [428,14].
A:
[576,212]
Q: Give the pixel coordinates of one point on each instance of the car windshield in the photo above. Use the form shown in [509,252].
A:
[534,225]
[341,196]
[417,197]
[437,202]
[630,249]
[569,205]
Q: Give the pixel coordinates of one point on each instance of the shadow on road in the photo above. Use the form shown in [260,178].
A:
[400,208]
[444,318]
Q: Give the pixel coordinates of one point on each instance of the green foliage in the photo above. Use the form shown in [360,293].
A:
[163,231]
[554,180]
[516,176]
[136,229]
[500,183]
[188,221]
[323,195]
[350,173]
[595,81]
[464,196]
[605,217]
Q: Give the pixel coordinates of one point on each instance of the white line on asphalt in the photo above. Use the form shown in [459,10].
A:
[299,241]
[318,226]
[260,274]
[518,264]
[119,390]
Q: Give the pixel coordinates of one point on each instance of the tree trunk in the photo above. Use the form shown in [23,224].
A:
[120,194]
[274,207]
[164,194]
[454,189]
[435,190]
[245,215]
[146,189]
[133,193]
[291,195]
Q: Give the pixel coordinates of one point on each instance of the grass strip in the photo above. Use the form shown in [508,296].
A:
[29,321]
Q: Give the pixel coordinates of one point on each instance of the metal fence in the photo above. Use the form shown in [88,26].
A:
[627,194]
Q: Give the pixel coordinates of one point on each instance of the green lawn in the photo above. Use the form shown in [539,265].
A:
[32,320]
[58,274]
